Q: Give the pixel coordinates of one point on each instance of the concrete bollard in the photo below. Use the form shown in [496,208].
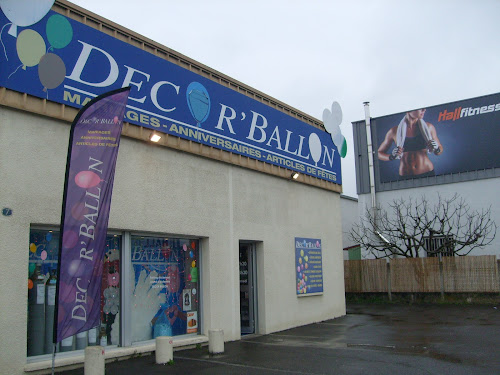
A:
[94,360]
[215,341]
[164,349]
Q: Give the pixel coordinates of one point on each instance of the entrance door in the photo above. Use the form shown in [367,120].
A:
[247,288]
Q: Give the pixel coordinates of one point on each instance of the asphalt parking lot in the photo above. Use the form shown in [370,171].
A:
[370,339]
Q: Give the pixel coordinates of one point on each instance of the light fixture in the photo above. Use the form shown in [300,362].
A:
[155,137]
[295,175]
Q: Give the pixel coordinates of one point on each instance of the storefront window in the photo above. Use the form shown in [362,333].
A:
[165,294]
[42,276]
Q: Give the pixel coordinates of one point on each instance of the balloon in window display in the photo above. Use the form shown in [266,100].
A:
[36,313]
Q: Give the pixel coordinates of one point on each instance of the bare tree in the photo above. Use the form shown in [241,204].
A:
[413,226]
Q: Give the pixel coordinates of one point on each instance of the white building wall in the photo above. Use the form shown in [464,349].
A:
[159,190]
[480,194]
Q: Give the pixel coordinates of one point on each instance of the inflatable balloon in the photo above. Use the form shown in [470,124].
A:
[315,147]
[51,71]
[30,47]
[194,274]
[198,102]
[59,31]
[87,179]
[24,12]
[30,284]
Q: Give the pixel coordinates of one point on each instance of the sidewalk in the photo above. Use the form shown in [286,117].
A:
[370,339]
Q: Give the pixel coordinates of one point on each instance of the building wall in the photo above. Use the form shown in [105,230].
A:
[480,194]
[160,190]
[350,215]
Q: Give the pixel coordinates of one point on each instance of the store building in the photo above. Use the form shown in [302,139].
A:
[207,227]
[466,161]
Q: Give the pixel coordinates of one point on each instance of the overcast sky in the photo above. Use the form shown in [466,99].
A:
[398,55]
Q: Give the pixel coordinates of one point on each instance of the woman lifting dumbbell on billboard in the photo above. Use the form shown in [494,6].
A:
[413,138]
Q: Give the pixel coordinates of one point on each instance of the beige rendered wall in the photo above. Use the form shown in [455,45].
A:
[160,190]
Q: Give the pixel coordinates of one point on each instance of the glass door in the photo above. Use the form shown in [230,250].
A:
[247,304]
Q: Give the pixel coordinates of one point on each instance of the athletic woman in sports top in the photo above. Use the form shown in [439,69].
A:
[414,160]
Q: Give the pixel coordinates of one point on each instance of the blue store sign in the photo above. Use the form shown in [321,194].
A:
[67,62]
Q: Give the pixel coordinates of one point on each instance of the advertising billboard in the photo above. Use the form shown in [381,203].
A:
[309,266]
[444,139]
[63,60]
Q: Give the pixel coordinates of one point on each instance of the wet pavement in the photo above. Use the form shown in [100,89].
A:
[370,339]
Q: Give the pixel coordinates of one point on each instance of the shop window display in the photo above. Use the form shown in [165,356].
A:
[165,294]
[42,276]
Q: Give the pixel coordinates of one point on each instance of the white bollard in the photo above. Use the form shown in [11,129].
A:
[164,349]
[94,360]
[215,341]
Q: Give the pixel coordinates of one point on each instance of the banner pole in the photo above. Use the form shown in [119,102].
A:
[53,358]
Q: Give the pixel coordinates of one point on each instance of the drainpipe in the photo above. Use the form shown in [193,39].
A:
[370,165]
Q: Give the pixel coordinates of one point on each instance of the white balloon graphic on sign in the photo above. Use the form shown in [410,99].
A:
[332,121]
[24,12]
[315,147]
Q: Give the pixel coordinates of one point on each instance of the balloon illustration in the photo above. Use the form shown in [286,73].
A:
[33,248]
[30,47]
[16,12]
[79,210]
[51,71]
[315,147]
[59,31]
[43,255]
[87,179]
[70,238]
[48,236]
[332,120]
[198,102]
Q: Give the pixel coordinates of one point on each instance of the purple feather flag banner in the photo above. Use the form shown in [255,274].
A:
[92,152]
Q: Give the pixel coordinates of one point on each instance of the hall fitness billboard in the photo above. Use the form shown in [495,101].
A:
[65,61]
[449,138]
